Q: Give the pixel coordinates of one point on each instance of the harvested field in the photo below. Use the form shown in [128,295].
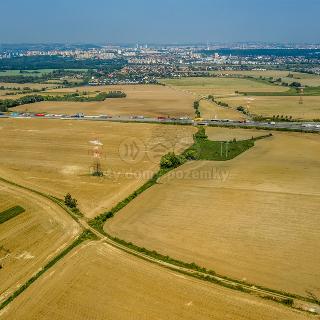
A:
[276,105]
[30,240]
[56,157]
[146,100]
[305,79]
[210,110]
[29,85]
[253,218]
[99,282]
[227,134]
[14,97]
[220,86]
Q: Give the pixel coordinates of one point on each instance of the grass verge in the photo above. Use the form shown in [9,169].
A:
[10,213]
[205,149]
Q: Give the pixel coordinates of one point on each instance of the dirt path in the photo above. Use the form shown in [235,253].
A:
[31,239]
[269,294]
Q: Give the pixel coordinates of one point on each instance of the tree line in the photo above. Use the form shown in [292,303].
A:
[74,97]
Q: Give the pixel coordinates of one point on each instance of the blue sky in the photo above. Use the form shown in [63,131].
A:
[159,21]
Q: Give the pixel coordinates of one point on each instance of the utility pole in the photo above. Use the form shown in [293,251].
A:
[227,145]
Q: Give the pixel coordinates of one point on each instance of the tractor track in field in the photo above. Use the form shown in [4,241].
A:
[299,303]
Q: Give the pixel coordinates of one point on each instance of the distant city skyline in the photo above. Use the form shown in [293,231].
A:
[159,22]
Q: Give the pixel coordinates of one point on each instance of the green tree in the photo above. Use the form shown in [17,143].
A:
[69,201]
[171,160]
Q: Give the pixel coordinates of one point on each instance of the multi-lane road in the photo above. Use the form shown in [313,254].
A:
[301,126]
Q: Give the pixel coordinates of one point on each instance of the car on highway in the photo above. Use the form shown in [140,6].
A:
[104,116]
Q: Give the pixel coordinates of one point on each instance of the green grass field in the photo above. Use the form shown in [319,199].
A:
[33,73]
[10,213]
[308,91]
[305,79]
[206,149]
[220,151]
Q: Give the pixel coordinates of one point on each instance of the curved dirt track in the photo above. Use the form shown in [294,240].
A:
[97,281]
[31,239]
[253,218]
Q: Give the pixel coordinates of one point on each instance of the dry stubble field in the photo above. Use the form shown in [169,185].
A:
[272,105]
[210,110]
[55,156]
[30,240]
[220,86]
[305,79]
[254,218]
[146,100]
[98,282]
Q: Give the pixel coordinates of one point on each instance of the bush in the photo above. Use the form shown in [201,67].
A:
[70,202]
[191,154]
[201,134]
[171,160]
[295,84]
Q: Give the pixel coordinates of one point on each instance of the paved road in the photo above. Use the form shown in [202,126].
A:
[304,126]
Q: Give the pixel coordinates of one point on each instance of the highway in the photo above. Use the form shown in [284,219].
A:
[298,126]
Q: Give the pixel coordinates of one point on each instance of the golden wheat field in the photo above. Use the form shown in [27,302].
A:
[30,240]
[121,286]
[272,105]
[220,86]
[210,110]
[145,100]
[254,218]
[56,157]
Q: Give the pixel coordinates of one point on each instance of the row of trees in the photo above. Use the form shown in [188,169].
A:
[59,63]
[196,106]
[243,110]
[8,103]
[76,97]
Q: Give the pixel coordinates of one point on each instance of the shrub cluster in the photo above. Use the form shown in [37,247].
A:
[200,134]
[69,201]
[222,104]
[172,160]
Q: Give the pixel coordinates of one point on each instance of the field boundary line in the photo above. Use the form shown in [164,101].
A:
[94,233]
[86,235]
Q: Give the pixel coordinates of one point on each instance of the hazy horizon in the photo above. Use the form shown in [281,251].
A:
[165,22]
